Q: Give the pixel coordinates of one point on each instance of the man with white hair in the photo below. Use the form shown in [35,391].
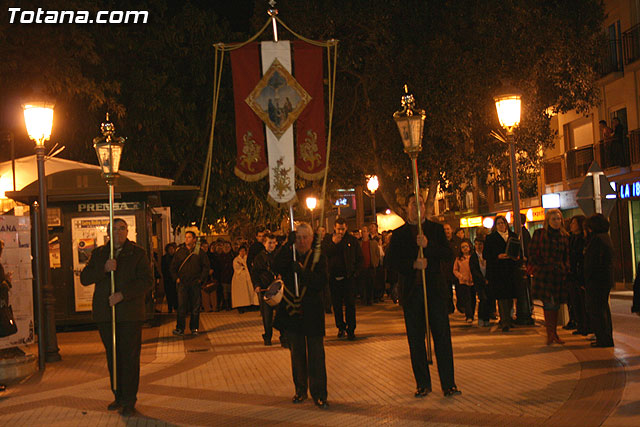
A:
[300,316]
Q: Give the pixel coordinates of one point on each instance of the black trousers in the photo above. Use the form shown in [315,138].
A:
[468,294]
[189,299]
[504,308]
[343,293]
[366,279]
[600,315]
[128,345]
[308,365]
[267,312]
[415,323]
[523,301]
[171,293]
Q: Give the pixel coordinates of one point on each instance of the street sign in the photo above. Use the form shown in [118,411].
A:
[595,194]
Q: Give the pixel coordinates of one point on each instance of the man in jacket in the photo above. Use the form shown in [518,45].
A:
[189,268]
[262,276]
[301,317]
[402,258]
[345,259]
[133,279]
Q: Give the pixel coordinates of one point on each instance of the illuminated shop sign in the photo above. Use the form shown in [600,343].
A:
[626,191]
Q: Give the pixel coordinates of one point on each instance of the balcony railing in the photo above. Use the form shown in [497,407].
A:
[631,44]
[578,161]
[634,146]
[553,170]
[613,152]
[610,59]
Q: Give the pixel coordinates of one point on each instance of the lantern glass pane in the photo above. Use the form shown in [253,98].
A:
[39,121]
[508,111]
[417,124]
[109,157]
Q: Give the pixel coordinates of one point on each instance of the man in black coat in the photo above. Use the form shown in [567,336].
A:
[262,276]
[345,259]
[301,318]
[190,269]
[599,279]
[133,279]
[403,258]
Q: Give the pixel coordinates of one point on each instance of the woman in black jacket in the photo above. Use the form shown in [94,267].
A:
[576,275]
[598,278]
[502,271]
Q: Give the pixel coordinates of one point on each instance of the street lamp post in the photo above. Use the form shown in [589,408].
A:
[410,123]
[508,105]
[372,186]
[312,202]
[38,118]
[109,150]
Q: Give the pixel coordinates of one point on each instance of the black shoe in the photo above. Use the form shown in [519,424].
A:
[597,344]
[422,391]
[178,332]
[299,398]
[321,403]
[114,406]
[341,333]
[569,326]
[3,387]
[128,410]
[453,391]
[266,339]
[195,332]
[351,336]
[283,342]
[505,329]
[576,332]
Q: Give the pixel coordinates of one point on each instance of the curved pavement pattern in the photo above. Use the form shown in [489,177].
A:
[226,376]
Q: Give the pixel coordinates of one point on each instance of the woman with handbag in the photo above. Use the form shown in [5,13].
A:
[549,264]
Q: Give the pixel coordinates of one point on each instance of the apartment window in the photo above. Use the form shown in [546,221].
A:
[578,133]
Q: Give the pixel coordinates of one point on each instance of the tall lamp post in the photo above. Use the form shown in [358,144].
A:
[38,118]
[410,123]
[372,186]
[312,202]
[508,103]
[109,150]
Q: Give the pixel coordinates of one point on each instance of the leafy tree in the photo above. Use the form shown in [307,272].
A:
[453,55]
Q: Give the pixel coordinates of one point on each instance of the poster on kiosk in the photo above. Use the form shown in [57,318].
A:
[87,234]
[15,232]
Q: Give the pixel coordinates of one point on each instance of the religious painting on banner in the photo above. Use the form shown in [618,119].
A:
[279,99]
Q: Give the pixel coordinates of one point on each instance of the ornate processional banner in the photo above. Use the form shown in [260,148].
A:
[251,159]
[270,106]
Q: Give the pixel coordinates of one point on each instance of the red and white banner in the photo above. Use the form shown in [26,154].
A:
[310,131]
[268,101]
[251,159]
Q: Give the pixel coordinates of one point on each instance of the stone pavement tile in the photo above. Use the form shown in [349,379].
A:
[226,376]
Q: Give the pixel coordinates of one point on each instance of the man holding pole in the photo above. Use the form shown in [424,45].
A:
[402,256]
[133,279]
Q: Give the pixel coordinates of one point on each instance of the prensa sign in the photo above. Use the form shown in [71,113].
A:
[104,207]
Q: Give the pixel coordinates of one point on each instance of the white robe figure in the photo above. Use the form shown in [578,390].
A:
[242,294]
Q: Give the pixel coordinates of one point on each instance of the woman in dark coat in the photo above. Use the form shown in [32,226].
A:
[502,271]
[598,278]
[576,274]
[549,265]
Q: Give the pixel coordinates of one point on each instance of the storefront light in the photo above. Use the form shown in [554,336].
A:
[551,201]
[487,222]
